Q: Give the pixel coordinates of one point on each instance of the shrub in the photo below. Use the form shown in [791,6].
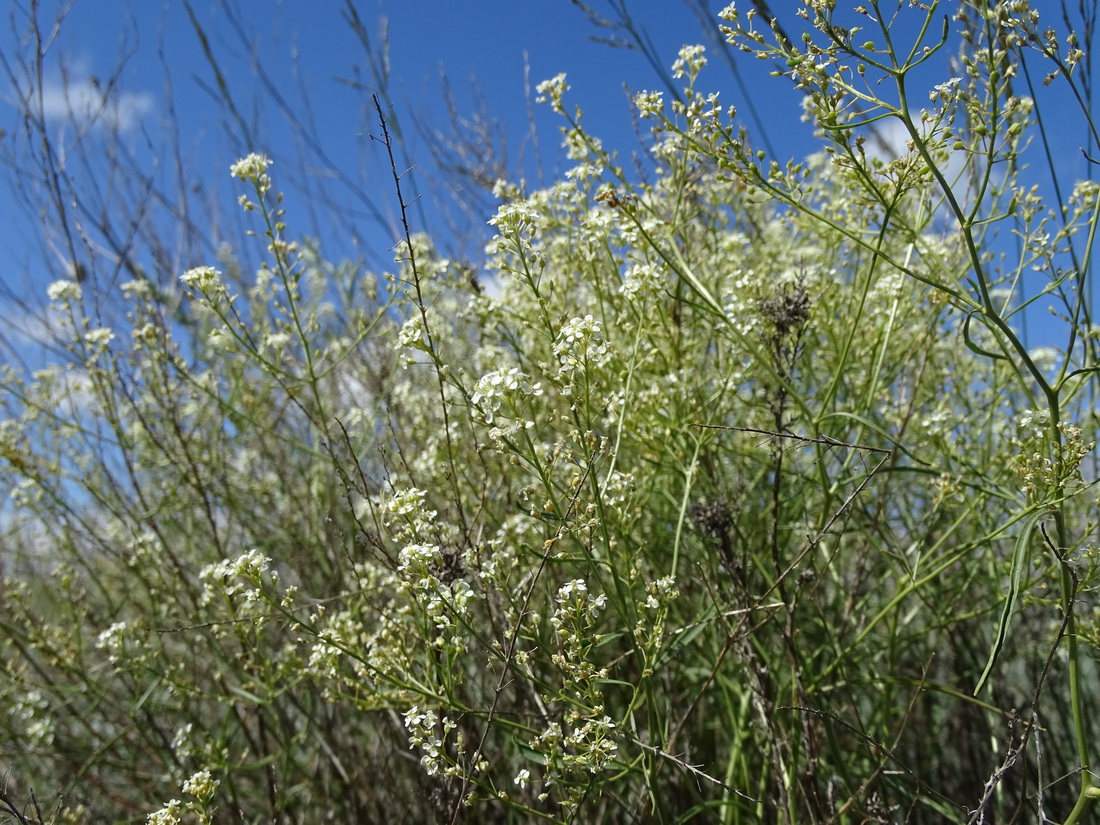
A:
[728,493]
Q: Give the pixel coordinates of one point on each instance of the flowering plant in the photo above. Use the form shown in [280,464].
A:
[737,486]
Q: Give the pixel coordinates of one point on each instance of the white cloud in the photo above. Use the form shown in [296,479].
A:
[891,141]
[25,327]
[82,102]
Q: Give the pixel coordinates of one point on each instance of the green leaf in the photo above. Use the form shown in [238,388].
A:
[1020,557]
[973,347]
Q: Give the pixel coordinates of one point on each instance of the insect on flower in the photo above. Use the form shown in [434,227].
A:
[609,197]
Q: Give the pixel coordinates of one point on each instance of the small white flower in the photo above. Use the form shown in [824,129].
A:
[201,786]
[405,502]
[64,291]
[517,215]
[551,91]
[170,814]
[641,279]
[181,742]
[1045,358]
[506,190]
[580,341]
[97,339]
[136,289]
[417,559]
[649,104]
[276,341]
[205,279]
[223,575]
[113,640]
[411,335]
[566,591]
[1034,422]
[690,62]
[946,91]
[253,169]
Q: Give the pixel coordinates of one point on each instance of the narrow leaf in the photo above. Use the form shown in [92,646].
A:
[1020,557]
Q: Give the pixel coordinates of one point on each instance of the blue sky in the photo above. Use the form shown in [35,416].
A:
[314,58]
[489,54]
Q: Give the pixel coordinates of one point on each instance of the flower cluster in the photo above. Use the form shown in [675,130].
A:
[334,635]
[690,62]
[406,517]
[642,280]
[515,221]
[205,280]
[573,753]
[434,581]
[430,734]
[32,708]
[96,341]
[113,640]
[242,576]
[495,546]
[202,787]
[1047,465]
[411,337]
[253,169]
[574,621]
[170,814]
[649,104]
[506,392]
[64,293]
[552,91]
[580,345]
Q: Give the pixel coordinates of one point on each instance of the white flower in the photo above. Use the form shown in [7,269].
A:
[494,386]
[418,559]
[690,62]
[136,289]
[97,339]
[1034,422]
[1045,358]
[276,341]
[644,279]
[181,742]
[248,566]
[552,91]
[205,279]
[64,291]
[113,640]
[566,591]
[201,786]
[515,216]
[580,342]
[649,104]
[506,190]
[170,814]
[523,777]
[405,502]
[948,90]
[411,335]
[253,169]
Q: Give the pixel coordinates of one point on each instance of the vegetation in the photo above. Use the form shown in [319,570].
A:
[724,489]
